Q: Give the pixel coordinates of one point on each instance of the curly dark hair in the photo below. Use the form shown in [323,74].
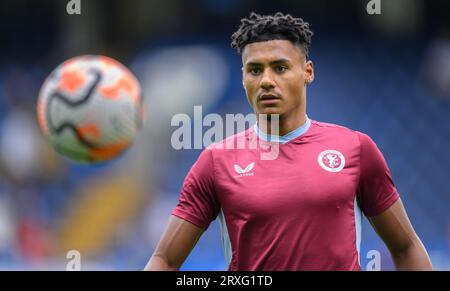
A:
[281,26]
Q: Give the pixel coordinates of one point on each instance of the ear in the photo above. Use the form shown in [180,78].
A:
[309,72]
[243,83]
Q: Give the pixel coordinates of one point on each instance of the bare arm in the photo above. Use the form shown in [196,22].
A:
[177,241]
[394,227]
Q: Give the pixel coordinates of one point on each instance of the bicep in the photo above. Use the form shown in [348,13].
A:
[177,241]
[394,227]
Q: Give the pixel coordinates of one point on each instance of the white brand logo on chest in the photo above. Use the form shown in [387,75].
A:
[243,172]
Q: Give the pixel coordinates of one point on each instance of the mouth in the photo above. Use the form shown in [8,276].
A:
[268,98]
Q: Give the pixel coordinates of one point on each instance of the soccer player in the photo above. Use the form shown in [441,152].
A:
[301,210]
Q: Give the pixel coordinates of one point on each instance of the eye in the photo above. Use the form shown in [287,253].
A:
[255,71]
[280,69]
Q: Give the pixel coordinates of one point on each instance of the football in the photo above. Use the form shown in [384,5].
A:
[90,108]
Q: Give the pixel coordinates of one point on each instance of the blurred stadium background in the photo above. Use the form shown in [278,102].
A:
[387,75]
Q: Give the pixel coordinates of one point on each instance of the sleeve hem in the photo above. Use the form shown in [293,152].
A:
[392,198]
[190,218]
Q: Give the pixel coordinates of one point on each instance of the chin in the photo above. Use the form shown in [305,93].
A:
[271,110]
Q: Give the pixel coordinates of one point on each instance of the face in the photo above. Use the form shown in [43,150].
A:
[275,74]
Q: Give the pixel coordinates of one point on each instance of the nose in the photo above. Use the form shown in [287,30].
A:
[267,81]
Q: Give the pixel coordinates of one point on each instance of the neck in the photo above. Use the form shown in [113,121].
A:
[286,125]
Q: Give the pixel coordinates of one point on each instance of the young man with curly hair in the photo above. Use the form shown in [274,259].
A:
[302,210]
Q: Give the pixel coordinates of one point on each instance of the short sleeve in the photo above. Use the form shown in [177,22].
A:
[376,190]
[197,201]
